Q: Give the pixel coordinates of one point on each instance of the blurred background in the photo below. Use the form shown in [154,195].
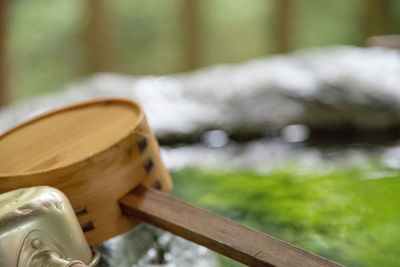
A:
[283,115]
[46,44]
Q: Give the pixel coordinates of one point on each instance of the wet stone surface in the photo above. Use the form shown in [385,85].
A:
[146,246]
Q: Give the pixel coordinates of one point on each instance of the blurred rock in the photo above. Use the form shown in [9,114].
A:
[337,86]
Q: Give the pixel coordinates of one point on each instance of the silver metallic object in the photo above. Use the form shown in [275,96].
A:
[38,228]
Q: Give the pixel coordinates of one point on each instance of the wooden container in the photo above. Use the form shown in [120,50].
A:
[95,152]
[104,157]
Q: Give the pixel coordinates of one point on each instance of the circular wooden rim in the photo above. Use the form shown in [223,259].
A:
[104,101]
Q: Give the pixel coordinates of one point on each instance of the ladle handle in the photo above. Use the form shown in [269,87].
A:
[215,232]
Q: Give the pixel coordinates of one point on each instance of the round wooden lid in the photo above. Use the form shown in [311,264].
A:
[65,137]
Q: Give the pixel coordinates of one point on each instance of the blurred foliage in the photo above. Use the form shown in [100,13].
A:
[46,38]
[44,45]
[345,213]
[329,22]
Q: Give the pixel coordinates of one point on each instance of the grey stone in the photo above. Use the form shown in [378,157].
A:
[320,87]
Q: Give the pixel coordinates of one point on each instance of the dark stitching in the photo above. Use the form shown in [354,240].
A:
[148,166]
[157,185]
[81,211]
[142,144]
[86,227]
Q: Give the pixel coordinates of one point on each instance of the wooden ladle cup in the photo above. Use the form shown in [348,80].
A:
[95,152]
[103,156]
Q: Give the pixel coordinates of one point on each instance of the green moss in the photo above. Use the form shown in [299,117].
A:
[348,214]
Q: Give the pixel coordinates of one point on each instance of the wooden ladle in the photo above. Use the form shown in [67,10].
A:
[103,156]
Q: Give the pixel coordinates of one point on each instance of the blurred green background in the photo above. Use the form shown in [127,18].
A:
[50,43]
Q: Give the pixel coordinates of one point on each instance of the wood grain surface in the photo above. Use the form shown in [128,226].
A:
[215,232]
[65,138]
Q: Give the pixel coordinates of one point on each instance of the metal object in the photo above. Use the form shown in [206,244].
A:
[38,228]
